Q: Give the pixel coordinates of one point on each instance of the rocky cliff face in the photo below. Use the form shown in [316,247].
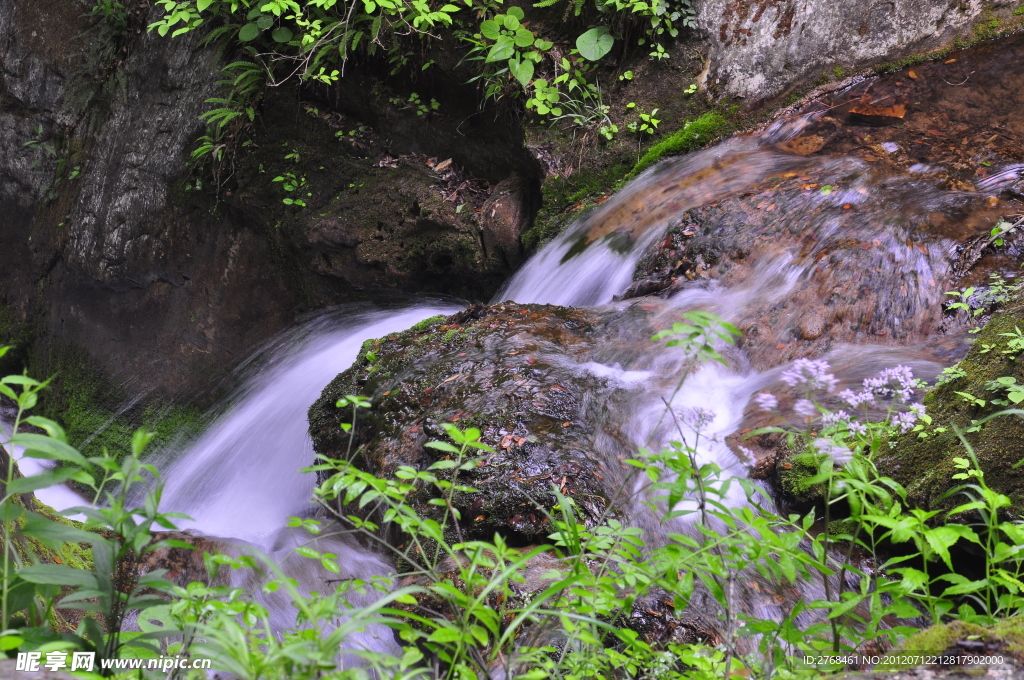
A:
[760,48]
[108,246]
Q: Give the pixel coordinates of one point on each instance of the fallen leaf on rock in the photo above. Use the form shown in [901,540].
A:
[875,115]
[803,146]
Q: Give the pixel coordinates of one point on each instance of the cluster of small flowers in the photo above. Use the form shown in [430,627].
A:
[896,383]
[766,401]
[814,374]
[841,417]
[904,420]
[697,418]
[839,453]
[805,408]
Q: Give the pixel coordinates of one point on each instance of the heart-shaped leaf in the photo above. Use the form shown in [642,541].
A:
[595,43]
[521,71]
[490,29]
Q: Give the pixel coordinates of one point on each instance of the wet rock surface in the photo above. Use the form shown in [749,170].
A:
[521,374]
[112,244]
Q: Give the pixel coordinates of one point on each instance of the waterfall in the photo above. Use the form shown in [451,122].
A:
[241,478]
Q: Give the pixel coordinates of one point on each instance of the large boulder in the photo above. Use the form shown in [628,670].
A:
[524,375]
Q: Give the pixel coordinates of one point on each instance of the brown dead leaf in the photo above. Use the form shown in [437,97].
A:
[443,165]
[911,75]
[878,115]
[803,146]
[949,61]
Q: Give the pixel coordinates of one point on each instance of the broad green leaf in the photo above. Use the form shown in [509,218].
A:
[595,43]
[511,22]
[50,532]
[524,37]
[490,29]
[503,49]
[58,575]
[44,481]
[201,5]
[445,635]
[248,32]
[42,446]
[523,71]
[282,34]
[265,22]
[516,12]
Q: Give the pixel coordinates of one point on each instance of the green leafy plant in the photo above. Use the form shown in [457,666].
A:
[292,183]
[119,535]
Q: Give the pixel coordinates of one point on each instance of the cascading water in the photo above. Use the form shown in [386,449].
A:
[240,482]
[241,478]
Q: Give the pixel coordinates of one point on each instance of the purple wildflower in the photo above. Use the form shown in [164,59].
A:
[766,401]
[698,418]
[805,408]
[898,383]
[839,453]
[904,420]
[830,419]
[814,374]
[855,399]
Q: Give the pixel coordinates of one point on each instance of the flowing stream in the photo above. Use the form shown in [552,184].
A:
[240,479]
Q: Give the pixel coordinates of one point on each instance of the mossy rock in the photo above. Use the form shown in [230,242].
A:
[1005,638]
[924,464]
[514,372]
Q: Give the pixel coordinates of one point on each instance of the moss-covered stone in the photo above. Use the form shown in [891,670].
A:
[97,414]
[692,136]
[513,372]
[923,462]
[1005,638]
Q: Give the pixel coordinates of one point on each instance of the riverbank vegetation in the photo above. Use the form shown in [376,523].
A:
[731,586]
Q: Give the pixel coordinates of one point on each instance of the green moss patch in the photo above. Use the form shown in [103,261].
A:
[1007,636]
[90,408]
[923,462]
[692,136]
